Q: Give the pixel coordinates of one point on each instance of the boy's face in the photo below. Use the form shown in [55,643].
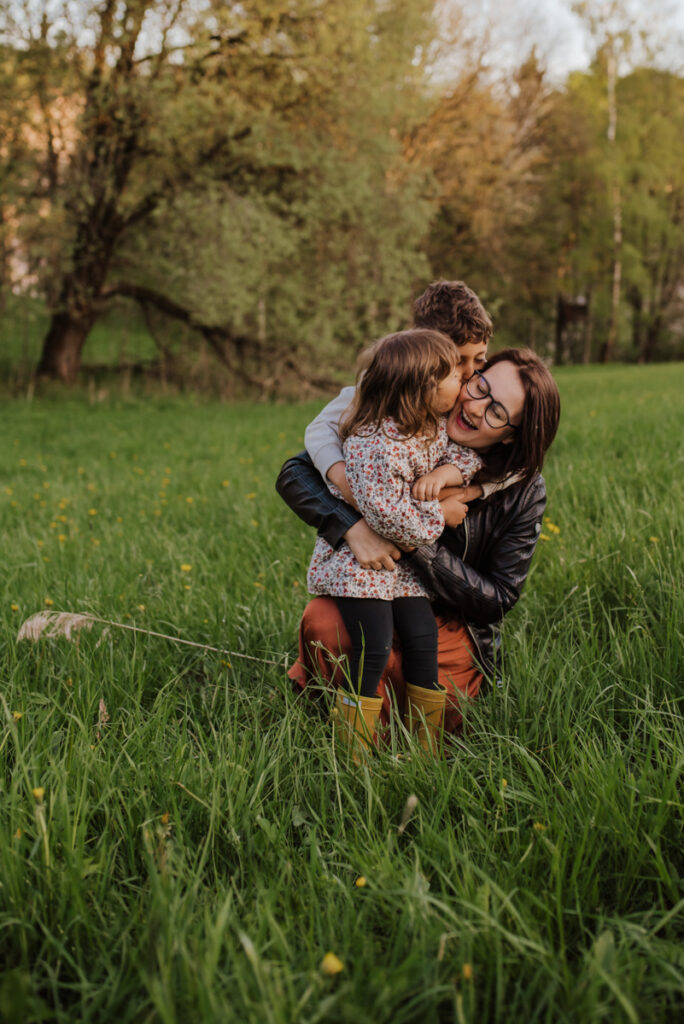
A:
[472,356]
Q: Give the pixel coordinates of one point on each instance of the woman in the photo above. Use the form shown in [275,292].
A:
[476,570]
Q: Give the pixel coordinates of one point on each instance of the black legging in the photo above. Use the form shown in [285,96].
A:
[371,624]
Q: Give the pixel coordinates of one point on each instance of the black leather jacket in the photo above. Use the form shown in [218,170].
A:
[476,571]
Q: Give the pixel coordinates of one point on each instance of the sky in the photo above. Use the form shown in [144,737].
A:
[562,41]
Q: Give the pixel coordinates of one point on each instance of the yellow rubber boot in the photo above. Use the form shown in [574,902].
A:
[356,719]
[424,714]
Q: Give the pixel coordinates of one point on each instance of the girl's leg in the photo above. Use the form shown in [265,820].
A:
[415,623]
[370,626]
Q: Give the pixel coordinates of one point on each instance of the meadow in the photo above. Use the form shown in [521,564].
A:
[179,839]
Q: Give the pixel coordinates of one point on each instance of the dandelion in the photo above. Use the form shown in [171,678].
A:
[331,964]
[504,783]
[70,681]
[61,538]
[14,607]
[251,496]
[8,490]
[141,607]
[654,540]
[254,522]
[467,972]
[92,511]
[40,543]
[39,793]
[165,818]
[187,587]
[19,833]
[552,527]
[16,715]
[48,600]
[46,485]
[119,519]
[539,826]
[226,664]
[360,882]
[544,536]
[189,500]
[260,586]
[185,567]
[22,462]
[225,483]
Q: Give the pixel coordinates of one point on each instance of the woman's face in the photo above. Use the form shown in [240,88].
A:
[467,425]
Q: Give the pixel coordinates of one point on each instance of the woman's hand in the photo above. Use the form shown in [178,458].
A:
[369,549]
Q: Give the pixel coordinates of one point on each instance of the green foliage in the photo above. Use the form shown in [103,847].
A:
[196,849]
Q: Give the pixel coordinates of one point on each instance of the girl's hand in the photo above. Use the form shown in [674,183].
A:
[369,549]
[429,487]
[454,510]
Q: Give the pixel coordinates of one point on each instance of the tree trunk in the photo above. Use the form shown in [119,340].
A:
[651,340]
[608,346]
[64,341]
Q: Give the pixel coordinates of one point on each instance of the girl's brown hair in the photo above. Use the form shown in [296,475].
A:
[400,380]
[538,425]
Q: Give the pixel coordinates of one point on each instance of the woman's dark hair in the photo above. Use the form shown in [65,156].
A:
[539,422]
[453,308]
[399,378]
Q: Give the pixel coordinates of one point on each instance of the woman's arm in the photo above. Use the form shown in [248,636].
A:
[301,487]
[483,590]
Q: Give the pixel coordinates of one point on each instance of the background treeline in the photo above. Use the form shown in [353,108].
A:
[271,182]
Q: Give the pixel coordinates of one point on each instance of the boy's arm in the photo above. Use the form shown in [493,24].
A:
[322,436]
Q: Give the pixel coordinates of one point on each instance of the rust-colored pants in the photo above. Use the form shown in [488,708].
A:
[323,639]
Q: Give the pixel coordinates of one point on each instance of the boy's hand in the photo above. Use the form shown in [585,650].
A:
[428,487]
[337,476]
[453,510]
[369,549]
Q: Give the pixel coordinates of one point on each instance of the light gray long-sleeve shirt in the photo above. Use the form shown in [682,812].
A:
[322,441]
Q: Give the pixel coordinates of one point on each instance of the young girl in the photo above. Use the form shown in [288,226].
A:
[394,433]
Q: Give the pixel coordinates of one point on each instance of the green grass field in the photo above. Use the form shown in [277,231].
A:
[179,841]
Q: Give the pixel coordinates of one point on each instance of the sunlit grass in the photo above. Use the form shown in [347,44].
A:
[195,849]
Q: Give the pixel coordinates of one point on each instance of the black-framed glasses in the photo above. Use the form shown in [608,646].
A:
[495,413]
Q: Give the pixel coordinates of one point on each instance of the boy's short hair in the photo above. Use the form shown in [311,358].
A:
[453,308]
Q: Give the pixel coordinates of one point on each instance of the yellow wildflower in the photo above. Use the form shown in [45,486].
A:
[61,538]
[141,607]
[331,964]
[165,818]
[38,793]
[504,783]
[225,483]
[19,833]
[251,496]
[49,602]
[14,607]
[539,827]
[16,715]
[544,536]
[360,882]
[189,500]
[8,490]
[92,511]
[185,567]
[654,540]
[467,972]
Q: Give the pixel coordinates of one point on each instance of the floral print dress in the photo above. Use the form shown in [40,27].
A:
[381,468]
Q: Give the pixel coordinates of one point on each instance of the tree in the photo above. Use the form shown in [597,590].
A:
[238,128]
